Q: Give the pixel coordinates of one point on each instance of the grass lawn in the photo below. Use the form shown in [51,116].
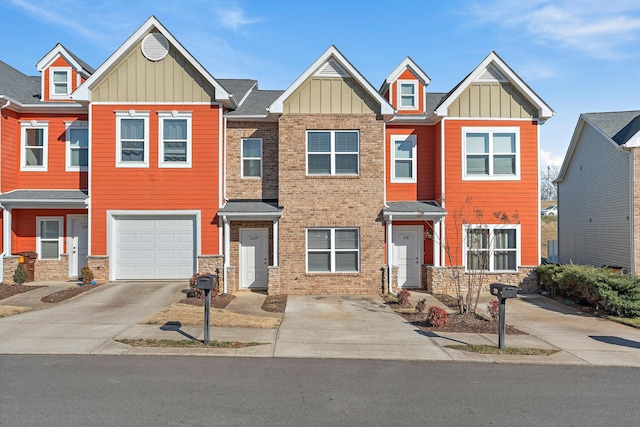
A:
[629,321]
[549,231]
[515,351]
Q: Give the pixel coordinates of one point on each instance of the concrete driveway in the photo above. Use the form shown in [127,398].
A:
[82,325]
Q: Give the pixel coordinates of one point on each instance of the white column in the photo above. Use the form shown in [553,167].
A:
[436,243]
[6,231]
[227,250]
[389,252]
[276,236]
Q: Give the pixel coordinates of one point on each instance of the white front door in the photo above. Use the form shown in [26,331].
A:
[254,258]
[407,250]
[79,245]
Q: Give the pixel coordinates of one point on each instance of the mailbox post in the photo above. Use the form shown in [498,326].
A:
[207,283]
[502,292]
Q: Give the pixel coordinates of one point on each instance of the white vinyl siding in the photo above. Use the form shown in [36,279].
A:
[492,248]
[34,146]
[403,158]
[490,153]
[132,134]
[49,232]
[333,250]
[333,152]
[251,164]
[174,139]
[594,223]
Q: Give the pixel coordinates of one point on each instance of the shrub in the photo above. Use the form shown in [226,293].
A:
[87,274]
[199,293]
[493,306]
[403,297]
[20,276]
[437,316]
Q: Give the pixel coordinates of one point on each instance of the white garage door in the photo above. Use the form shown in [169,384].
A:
[154,247]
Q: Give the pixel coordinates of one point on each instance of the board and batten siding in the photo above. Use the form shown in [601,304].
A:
[137,79]
[593,202]
[492,100]
[330,96]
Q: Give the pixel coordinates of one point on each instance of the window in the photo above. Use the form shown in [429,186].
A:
[333,250]
[251,158]
[49,237]
[132,133]
[33,141]
[59,82]
[333,152]
[174,139]
[491,153]
[407,95]
[492,248]
[77,146]
[403,158]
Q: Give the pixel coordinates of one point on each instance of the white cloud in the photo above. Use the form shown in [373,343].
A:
[234,18]
[548,159]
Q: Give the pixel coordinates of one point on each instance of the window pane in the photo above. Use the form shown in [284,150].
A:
[478,239]
[505,239]
[403,169]
[49,249]
[251,168]
[175,129]
[347,261]
[132,128]
[79,157]
[34,157]
[346,142]
[407,88]
[346,163]
[320,164]
[319,142]
[49,230]
[478,165]
[504,143]
[319,261]
[60,76]
[504,260]
[477,142]
[404,149]
[504,165]
[319,239]
[251,148]
[346,239]
[175,151]
[34,137]
[477,260]
[132,151]
[79,137]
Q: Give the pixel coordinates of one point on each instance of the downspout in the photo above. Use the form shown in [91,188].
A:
[4,248]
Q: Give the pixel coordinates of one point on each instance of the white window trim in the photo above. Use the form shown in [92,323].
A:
[243,158]
[414,167]
[132,114]
[332,249]
[60,220]
[52,92]
[69,126]
[491,249]
[183,115]
[490,131]
[416,98]
[332,153]
[34,124]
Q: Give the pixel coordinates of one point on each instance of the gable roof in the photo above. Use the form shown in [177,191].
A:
[618,127]
[255,105]
[77,63]
[332,56]
[409,64]
[239,89]
[494,66]
[83,92]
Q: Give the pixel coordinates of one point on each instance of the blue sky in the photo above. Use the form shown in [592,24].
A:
[578,55]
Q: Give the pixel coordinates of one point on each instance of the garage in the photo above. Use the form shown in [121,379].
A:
[154,247]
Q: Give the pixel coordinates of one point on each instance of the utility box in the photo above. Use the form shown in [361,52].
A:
[503,291]
[28,261]
[207,282]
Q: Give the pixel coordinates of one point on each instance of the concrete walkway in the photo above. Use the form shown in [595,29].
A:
[313,327]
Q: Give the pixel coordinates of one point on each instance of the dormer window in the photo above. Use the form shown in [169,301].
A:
[407,95]
[59,82]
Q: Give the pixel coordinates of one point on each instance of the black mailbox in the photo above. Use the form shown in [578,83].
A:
[206,282]
[503,291]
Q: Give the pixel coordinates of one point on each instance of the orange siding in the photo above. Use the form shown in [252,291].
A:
[424,188]
[408,75]
[24,224]
[10,139]
[153,188]
[518,199]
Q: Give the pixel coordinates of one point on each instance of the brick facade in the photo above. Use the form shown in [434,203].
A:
[330,201]
[442,280]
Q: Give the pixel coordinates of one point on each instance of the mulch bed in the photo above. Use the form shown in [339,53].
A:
[219,301]
[7,291]
[464,323]
[275,303]
[68,293]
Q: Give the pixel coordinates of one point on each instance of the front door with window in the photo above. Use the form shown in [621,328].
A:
[254,258]
[79,246]
[407,250]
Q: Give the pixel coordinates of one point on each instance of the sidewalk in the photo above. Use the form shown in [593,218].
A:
[313,327]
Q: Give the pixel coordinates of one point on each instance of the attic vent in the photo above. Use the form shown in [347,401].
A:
[155,47]
[331,69]
[490,74]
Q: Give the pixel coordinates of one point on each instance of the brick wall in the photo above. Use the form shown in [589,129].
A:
[331,201]
[441,280]
[100,267]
